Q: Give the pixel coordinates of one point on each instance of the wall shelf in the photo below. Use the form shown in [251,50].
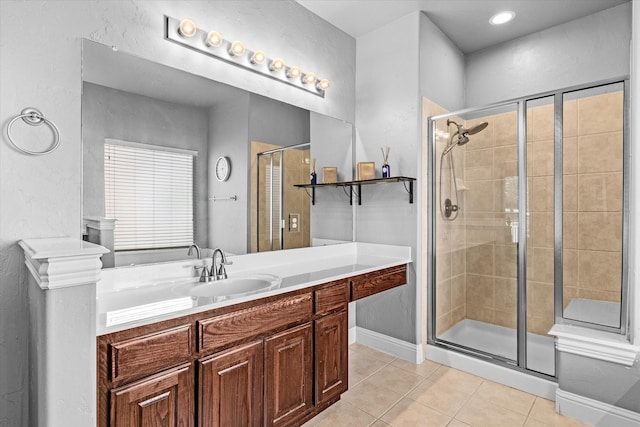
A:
[355,187]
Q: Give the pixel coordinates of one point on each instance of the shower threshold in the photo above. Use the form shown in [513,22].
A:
[502,342]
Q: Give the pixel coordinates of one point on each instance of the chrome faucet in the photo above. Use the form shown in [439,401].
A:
[197,248]
[219,273]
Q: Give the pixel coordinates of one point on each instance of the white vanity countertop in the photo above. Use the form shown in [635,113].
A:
[134,296]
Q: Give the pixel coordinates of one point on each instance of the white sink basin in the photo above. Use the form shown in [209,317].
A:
[236,286]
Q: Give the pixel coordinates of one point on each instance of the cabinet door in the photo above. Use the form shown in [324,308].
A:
[289,375]
[165,399]
[230,387]
[331,356]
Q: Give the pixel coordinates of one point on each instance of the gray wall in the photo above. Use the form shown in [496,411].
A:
[585,50]
[229,136]
[387,114]
[112,113]
[41,196]
[442,67]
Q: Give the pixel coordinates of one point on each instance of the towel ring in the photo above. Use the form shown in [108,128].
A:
[34,117]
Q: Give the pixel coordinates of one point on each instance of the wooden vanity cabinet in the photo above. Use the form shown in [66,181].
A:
[276,361]
[165,399]
[230,387]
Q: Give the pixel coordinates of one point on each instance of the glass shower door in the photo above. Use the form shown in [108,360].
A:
[476,229]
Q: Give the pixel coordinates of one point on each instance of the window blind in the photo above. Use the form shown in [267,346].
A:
[149,191]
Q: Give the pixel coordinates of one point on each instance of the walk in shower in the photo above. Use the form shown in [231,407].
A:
[528,215]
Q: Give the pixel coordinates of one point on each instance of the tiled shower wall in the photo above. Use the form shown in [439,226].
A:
[476,255]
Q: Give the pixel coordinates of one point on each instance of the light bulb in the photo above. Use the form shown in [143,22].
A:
[309,78]
[237,48]
[276,65]
[258,57]
[187,28]
[214,39]
[323,84]
[294,72]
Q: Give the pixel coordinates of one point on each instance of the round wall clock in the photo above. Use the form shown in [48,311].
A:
[223,168]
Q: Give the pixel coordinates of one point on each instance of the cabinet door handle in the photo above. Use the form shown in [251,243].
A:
[154,399]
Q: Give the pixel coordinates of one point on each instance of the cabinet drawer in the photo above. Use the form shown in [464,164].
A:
[333,297]
[148,354]
[238,326]
[377,281]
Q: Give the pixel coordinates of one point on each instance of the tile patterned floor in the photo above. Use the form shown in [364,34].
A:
[386,391]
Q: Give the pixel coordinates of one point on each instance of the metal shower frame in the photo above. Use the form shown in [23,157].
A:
[432,209]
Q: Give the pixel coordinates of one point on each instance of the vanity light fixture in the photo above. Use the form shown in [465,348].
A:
[294,72]
[258,57]
[214,39]
[323,84]
[187,28]
[276,65]
[502,17]
[309,78]
[186,34]
[237,49]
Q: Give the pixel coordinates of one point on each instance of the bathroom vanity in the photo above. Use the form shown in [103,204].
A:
[275,357]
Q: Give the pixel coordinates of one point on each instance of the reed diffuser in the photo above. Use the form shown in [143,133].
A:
[313,172]
[386,169]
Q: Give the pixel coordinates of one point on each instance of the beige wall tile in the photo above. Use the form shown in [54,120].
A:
[540,158]
[600,153]
[478,164]
[599,270]
[458,291]
[600,192]
[540,299]
[541,194]
[480,291]
[570,118]
[479,196]
[506,260]
[570,193]
[541,230]
[505,161]
[541,123]
[506,291]
[601,113]
[443,297]
[570,267]
[508,319]
[506,128]
[481,314]
[599,295]
[480,260]
[570,155]
[541,267]
[600,231]
[458,314]
[570,230]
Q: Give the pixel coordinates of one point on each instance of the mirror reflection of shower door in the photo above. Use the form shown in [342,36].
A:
[280,214]
[476,251]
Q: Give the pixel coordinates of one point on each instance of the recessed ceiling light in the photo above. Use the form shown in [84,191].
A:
[502,17]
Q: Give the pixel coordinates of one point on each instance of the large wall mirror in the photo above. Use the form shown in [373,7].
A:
[171,159]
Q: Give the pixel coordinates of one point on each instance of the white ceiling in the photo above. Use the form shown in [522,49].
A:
[465,22]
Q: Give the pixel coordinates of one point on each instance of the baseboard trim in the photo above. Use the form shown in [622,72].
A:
[509,377]
[352,335]
[386,344]
[594,412]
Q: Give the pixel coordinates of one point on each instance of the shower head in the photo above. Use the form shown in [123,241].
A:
[477,128]
[462,134]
